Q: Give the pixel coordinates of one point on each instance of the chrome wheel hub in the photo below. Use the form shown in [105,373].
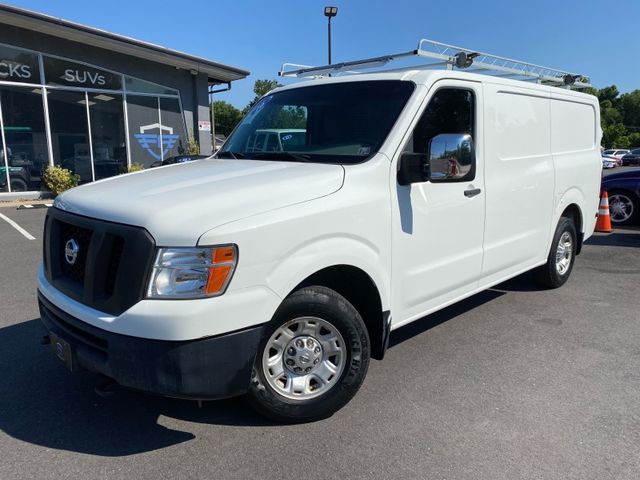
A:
[304,358]
[563,253]
[303,355]
[620,207]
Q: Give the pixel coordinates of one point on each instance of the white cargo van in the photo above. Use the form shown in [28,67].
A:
[279,274]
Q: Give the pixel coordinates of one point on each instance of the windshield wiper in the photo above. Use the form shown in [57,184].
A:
[286,156]
[229,154]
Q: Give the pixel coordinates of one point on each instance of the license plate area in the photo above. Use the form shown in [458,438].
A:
[62,349]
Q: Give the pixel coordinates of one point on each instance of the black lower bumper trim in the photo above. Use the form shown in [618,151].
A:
[207,368]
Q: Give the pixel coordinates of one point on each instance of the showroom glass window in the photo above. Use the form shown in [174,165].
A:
[4,171]
[70,132]
[23,143]
[25,140]
[86,131]
[108,140]
[140,86]
[171,117]
[156,128]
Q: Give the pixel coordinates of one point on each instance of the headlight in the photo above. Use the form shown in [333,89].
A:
[192,272]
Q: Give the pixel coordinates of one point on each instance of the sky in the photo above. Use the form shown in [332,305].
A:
[599,38]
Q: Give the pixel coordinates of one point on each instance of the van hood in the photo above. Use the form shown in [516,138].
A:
[178,203]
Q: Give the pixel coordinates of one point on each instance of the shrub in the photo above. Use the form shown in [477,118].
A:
[135,167]
[58,179]
[193,148]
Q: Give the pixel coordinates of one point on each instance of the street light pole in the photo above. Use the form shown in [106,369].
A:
[330,12]
[329,31]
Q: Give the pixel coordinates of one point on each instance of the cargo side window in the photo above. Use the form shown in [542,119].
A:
[450,110]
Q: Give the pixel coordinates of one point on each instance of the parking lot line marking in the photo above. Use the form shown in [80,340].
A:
[28,206]
[27,235]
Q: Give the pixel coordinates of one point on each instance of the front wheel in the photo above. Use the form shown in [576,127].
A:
[313,357]
[623,207]
[562,254]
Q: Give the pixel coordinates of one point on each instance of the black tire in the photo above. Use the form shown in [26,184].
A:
[329,306]
[18,185]
[631,203]
[549,274]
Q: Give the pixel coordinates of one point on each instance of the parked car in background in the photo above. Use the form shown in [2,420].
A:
[609,162]
[178,159]
[276,139]
[616,152]
[631,158]
[624,196]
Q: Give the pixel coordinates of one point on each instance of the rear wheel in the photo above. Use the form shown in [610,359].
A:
[313,357]
[623,207]
[562,254]
[18,185]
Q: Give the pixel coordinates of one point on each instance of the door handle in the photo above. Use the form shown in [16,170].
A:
[472,192]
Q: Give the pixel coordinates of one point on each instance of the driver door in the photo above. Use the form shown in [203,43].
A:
[439,225]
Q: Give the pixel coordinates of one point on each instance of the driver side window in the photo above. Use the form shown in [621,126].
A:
[450,111]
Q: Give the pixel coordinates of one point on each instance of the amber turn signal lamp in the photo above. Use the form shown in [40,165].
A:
[218,278]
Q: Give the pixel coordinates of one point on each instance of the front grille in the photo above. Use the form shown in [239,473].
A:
[115,255]
[82,236]
[111,264]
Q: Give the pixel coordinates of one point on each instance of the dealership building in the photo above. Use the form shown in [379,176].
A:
[95,102]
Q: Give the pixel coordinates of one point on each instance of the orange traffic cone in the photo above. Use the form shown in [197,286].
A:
[604,219]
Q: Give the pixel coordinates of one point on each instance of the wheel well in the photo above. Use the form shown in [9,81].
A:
[360,290]
[573,212]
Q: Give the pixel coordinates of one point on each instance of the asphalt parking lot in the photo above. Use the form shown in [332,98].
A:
[513,383]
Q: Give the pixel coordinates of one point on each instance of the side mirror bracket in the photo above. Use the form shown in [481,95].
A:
[414,168]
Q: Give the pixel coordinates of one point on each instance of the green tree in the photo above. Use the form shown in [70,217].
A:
[630,104]
[634,140]
[287,117]
[609,93]
[610,115]
[260,88]
[225,117]
[615,136]
[618,113]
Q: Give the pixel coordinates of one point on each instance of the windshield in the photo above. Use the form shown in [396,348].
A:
[332,123]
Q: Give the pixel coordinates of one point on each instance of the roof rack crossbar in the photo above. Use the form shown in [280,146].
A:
[449,56]
[373,62]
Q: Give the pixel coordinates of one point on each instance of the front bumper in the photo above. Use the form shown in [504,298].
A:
[205,368]
[174,320]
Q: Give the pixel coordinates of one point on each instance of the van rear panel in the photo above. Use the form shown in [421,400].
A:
[575,143]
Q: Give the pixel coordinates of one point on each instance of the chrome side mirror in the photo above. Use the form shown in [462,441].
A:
[451,157]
